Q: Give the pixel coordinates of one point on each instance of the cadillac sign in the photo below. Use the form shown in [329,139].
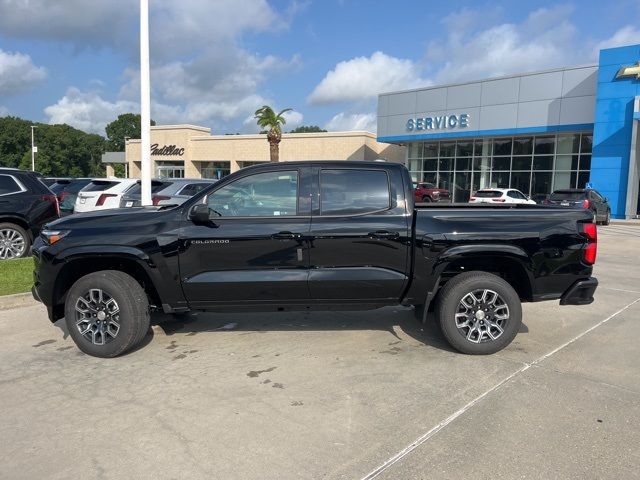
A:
[441,122]
[170,150]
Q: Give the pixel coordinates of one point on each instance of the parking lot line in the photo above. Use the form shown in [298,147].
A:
[433,431]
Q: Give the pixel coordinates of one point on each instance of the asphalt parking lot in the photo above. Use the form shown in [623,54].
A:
[334,395]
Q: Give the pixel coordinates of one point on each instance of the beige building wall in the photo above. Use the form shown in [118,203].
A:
[201,147]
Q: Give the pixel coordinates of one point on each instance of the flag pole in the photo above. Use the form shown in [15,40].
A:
[145,105]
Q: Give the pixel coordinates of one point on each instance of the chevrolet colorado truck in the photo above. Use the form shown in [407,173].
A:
[329,235]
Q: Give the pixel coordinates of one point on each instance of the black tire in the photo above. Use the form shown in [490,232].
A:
[132,314]
[426,199]
[16,232]
[450,303]
[607,219]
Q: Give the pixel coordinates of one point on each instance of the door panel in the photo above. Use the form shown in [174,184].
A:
[362,256]
[253,249]
[243,260]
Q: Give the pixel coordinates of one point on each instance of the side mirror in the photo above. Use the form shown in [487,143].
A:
[200,214]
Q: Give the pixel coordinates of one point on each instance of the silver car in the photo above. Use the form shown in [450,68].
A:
[166,191]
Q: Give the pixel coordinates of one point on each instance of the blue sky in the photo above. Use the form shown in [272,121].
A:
[215,62]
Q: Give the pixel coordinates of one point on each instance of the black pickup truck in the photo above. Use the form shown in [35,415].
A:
[313,235]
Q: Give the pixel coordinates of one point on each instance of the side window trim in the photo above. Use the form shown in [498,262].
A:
[205,198]
[19,184]
[359,214]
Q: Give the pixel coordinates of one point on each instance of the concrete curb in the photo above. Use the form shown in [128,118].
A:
[17,300]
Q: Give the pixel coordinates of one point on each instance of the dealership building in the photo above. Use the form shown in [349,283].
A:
[563,128]
[191,151]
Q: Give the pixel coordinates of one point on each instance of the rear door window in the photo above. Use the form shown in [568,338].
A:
[99,186]
[8,185]
[352,192]
[192,188]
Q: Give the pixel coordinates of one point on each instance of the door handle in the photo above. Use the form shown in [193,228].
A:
[384,234]
[286,236]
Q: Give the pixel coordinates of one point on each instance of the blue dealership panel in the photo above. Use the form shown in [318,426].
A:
[613,125]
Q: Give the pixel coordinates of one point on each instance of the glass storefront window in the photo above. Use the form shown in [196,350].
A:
[447,149]
[215,169]
[166,169]
[543,162]
[545,145]
[415,150]
[502,146]
[536,164]
[521,163]
[523,146]
[464,149]
[568,144]
[502,163]
[520,181]
[431,150]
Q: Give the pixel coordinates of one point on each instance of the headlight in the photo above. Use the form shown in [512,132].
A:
[53,236]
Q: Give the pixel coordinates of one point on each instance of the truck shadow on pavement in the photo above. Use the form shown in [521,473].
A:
[394,320]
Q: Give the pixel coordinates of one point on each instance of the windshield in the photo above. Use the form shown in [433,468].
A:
[156,186]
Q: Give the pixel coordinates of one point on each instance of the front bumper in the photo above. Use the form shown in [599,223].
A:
[580,293]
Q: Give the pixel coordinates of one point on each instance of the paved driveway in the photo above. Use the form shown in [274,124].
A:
[334,395]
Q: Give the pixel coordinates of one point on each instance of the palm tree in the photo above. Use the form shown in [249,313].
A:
[267,118]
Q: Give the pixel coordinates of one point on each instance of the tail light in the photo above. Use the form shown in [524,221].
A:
[53,199]
[472,199]
[589,252]
[158,198]
[103,197]
[586,203]
[62,196]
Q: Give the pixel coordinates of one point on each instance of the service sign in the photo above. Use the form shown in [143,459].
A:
[439,122]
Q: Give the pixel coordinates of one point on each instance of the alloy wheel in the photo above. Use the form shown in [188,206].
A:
[97,316]
[12,243]
[481,316]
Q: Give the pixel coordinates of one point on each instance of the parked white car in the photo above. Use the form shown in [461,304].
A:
[500,195]
[102,193]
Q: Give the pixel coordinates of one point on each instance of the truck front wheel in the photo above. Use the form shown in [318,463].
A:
[479,313]
[107,313]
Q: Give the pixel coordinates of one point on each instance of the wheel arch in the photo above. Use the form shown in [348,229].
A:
[21,222]
[512,266]
[76,268]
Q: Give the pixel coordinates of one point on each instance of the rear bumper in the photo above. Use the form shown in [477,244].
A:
[580,293]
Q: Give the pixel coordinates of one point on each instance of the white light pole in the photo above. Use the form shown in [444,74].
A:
[145,106]
[126,163]
[34,149]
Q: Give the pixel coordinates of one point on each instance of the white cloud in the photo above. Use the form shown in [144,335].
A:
[18,73]
[627,35]
[352,121]
[87,110]
[541,41]
[362,78]
[4,111]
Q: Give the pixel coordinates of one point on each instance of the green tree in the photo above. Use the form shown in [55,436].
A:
[307,129]
[268,119]
[62,150]
[126,125]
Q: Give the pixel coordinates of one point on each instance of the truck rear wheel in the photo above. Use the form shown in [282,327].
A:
[107,313]
[479,313]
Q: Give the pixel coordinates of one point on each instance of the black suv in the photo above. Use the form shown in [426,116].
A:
[585,198]
[25,205]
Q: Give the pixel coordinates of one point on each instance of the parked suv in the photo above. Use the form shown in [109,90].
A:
[584,198]
[166,191]
[428,192]
[102,193]
[66,189]
[500,195]
[25,205]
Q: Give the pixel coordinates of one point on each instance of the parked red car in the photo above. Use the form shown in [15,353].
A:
[428,192]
